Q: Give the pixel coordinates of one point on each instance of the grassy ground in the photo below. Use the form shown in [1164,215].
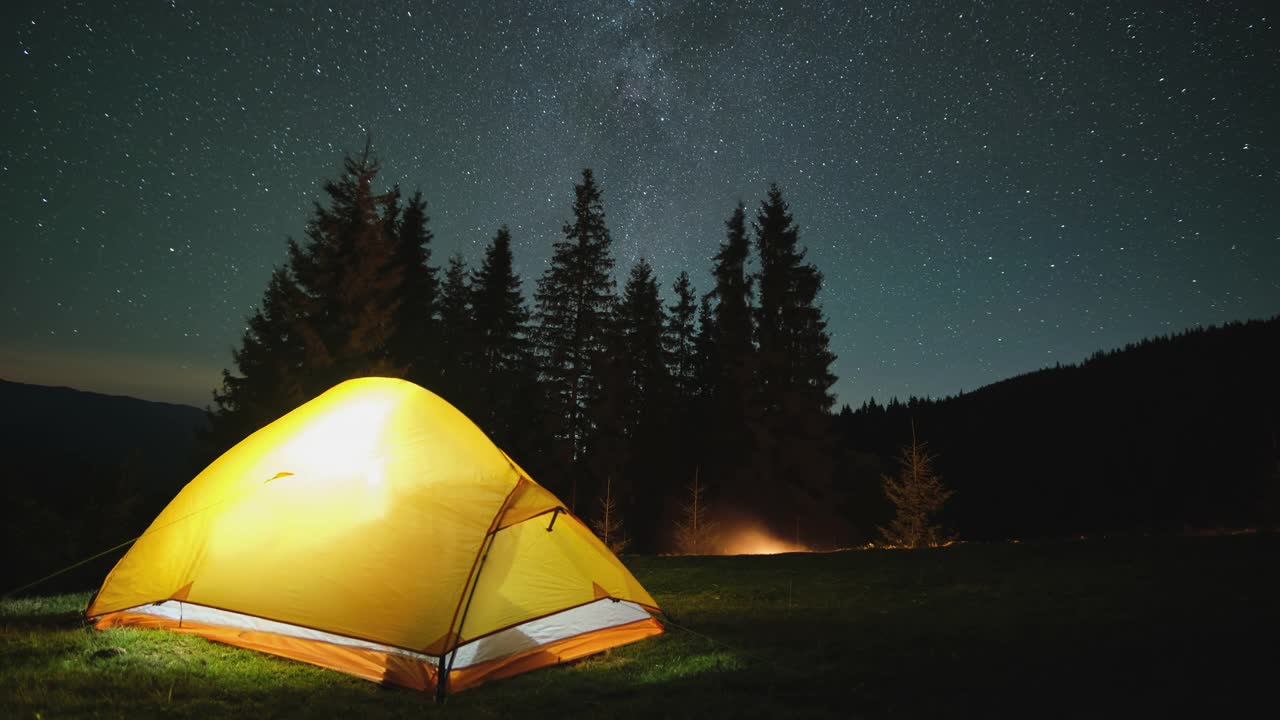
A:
[1104,628]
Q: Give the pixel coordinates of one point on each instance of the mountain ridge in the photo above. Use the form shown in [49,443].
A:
[1167,433]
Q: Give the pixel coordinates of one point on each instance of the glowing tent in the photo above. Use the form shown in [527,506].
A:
[375,530]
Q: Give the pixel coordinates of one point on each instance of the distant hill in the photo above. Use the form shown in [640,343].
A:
[83,471]
[39,416]
[1168,434]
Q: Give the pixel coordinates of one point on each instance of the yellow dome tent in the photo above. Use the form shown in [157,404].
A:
[375,530]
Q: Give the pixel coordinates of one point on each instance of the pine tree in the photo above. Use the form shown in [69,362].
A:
[706,349]
[329,315]
[685,428]
[795,357]
[574,307]
[412,345]
[608,525]
[646,402]
[917,495]
[606,452]
[680,341]
[695,531]
[456,338]
[641,321]
[349,281]
[793,378]
[733,292]
[268,361]
[735,353]
[502,355]
[732,438]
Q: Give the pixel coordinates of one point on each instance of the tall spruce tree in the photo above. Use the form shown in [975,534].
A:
[646,406]
[794,346]
[706,350]
[733,292]
[681,338]
[457,382]
[733,436]
[268,363]
[413,345]
[685,429]
[574,306]
[794,376]
[349,281]
[606,452]
[502,355]
[917,494]
[641,320]
[328,315]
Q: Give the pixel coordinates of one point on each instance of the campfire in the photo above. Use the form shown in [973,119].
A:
[755,541]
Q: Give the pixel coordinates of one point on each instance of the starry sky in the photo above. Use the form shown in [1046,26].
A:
[988,188]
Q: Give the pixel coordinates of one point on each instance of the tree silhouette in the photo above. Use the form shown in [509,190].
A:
[686,422]
[645,401]
[680,340]
[733,435]
[457,367]
[349,280]
[795,357]
[501,344]
[329,315]
[641,320]
[414,341]
[574,307]
[268,382]
[793,433]
[706,350]
[733,291]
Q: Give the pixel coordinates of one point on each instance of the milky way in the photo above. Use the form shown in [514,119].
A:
[987,188]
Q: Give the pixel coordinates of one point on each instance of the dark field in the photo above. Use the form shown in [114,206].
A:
[1131,627]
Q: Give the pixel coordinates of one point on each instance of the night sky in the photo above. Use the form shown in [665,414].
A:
[988,188]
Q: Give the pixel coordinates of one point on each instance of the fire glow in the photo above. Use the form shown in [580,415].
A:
[753,541]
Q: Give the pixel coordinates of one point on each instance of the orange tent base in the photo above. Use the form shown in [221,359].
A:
[390,667]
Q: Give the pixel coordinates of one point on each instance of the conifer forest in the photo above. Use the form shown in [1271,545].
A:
[612,386]
[648,404]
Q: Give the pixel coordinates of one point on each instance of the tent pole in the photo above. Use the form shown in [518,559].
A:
[442,675]
[447,657]
[442,682]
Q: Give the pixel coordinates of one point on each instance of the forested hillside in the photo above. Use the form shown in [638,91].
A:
[1168,434]
[84,471]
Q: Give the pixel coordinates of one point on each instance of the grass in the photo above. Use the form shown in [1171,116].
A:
[1103,628]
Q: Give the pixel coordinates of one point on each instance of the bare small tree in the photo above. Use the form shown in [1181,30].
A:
[694,531]
[917,494]
[608,526]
